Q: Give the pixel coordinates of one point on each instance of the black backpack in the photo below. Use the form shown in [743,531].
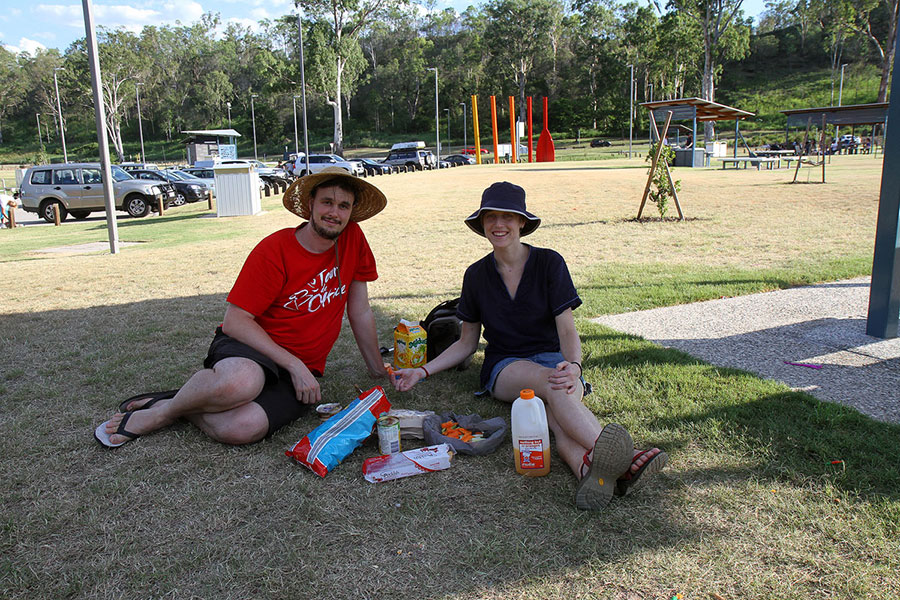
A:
[443,327]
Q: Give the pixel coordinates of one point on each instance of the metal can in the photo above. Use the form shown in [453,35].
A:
[389,434]
[326,411]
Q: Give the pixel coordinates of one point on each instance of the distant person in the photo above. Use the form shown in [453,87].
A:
[524,297]
[689,143]
[283,317]
[7,206]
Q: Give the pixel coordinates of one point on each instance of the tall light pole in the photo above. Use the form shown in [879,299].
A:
[449,146]
[37,117]
[296,135]
[62,129]
[303,92]
[228,106]
[437,114]
[137,92]
[465,142]
[630,108]
[253,117]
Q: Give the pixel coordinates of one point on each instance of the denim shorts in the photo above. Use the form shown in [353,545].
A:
[545,359]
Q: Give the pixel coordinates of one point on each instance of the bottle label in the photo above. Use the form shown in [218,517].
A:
[531,454]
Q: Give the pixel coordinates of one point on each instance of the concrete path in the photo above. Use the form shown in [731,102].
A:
[817,325]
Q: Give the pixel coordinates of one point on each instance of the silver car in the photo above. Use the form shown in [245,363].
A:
[77,188]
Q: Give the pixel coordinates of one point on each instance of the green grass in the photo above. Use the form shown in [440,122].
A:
[750,505]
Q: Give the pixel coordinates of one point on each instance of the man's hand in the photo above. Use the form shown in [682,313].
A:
[565,377]
[306,386]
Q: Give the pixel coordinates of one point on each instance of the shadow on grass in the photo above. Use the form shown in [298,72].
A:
[788,434]
[177,511]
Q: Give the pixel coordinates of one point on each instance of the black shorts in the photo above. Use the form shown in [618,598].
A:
[277,398]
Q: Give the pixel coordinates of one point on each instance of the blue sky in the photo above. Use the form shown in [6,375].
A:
[25,26]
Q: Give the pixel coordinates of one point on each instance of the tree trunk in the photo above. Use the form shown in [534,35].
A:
[888,58]
[338,112]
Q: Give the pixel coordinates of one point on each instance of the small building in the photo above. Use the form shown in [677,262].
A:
[206,145]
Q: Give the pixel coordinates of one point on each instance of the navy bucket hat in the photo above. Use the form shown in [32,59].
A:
[503,196]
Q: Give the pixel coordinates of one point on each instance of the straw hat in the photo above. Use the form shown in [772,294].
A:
[369,199]
[503,196]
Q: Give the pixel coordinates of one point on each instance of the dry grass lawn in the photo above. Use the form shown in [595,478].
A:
[750,506]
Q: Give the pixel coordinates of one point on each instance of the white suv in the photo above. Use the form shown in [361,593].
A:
[317,162]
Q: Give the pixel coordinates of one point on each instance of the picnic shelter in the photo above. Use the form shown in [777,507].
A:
[696,110]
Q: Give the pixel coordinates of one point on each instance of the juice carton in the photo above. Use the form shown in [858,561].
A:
[409,345]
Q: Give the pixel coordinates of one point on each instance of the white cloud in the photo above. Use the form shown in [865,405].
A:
[25,45]
[131,17]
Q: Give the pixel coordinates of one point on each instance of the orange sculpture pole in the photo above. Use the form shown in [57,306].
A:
[475,124]
[494,125]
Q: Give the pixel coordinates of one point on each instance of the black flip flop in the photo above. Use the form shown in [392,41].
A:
[102,436]
[152,397]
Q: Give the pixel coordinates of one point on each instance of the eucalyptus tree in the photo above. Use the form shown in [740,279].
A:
[598,53]
[725,34]
[12,85]
[346,21]
[517,35]
[876,21]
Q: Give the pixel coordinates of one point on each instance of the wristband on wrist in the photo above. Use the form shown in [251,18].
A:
[580,368]
[427,374]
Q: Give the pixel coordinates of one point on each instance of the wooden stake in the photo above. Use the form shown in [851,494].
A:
[655,160]
[56,213]
[209,199]
[805,139]
[162,206]
[11,209]
[669,174]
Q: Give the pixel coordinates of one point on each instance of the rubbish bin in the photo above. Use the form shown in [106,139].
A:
[683,157]
[237,190]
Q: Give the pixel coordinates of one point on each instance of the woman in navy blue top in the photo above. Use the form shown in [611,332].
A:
[524,297]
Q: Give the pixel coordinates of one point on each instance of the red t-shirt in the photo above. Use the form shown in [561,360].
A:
[294,293]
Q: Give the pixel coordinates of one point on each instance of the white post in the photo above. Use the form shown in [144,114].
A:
[100,121]
[437,128]
[465,141]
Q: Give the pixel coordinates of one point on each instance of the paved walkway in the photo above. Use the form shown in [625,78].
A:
[816,325]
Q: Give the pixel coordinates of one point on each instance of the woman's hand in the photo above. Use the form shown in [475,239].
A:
[405,379]
[565,377]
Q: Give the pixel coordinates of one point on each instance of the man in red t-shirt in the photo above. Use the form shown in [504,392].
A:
[283,316]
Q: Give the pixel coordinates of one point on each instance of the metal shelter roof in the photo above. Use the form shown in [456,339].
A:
[690,108]
[216,132]
[853,114]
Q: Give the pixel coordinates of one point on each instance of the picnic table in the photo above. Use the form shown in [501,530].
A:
[771,162]
[756,161]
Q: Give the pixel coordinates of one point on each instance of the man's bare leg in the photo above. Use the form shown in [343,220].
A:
[226,391]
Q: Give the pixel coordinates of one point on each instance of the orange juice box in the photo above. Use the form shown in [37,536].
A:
[409,345]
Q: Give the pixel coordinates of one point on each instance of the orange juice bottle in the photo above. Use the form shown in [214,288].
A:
[531,436]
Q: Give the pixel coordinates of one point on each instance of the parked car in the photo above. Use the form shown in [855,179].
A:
[77,188]
[373,167]
[205,174]
[460,159]
[471,150]
[266,173]
[131,166]
[410,157]
[185,191]
[600,144]
[317,162]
